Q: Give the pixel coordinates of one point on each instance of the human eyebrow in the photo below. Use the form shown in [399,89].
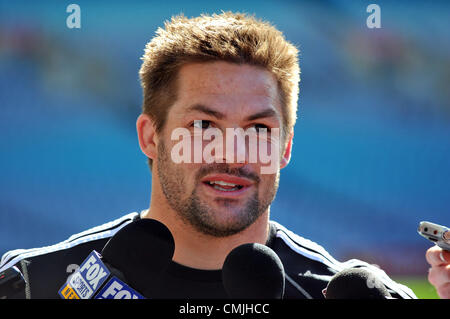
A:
[263,114]
[204,109]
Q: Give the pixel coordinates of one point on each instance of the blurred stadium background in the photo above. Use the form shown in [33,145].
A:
[371,155]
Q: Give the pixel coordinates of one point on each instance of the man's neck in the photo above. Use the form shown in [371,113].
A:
[196,250]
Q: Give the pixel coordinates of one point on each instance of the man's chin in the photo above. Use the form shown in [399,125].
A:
[221,229]
[225,219]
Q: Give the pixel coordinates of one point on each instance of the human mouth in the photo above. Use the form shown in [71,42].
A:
[225,184]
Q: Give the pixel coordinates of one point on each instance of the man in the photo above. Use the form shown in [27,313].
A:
[219,72]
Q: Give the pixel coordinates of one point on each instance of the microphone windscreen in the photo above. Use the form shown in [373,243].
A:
[253,271]
[140,251]
[356,283]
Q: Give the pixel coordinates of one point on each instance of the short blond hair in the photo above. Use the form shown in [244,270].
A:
[230,37]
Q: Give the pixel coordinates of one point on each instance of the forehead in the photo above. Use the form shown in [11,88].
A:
[227,86]
[217,77]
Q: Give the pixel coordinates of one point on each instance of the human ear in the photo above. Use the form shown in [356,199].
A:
[287,153]
[147,136]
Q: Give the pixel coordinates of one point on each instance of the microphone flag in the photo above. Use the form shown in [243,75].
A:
[90,277]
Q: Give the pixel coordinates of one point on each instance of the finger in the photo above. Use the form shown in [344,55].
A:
[436,256]
[439,275]
[444,291]
[446,236]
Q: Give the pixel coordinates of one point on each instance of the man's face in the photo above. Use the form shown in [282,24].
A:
[219,199]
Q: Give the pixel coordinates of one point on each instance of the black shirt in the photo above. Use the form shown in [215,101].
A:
[181,282]
[308,267]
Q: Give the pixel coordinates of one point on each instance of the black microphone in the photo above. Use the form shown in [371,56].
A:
[356,283]
[129,267]
[141,251]
[253,271]
[12,283]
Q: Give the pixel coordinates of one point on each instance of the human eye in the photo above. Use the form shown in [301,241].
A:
[201,124]
[258,127]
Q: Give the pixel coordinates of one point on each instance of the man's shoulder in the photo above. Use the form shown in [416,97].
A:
[292,245]
[90,235]
[45,269]
[309,267]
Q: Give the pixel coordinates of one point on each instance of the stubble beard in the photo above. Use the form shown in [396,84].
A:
[192,211]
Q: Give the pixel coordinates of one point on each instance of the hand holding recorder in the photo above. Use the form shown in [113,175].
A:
[438,256]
